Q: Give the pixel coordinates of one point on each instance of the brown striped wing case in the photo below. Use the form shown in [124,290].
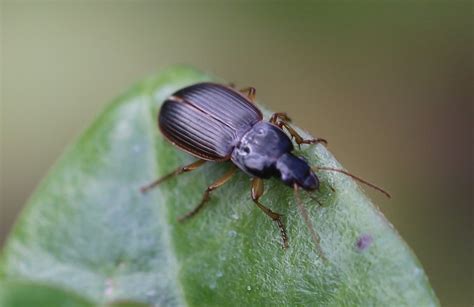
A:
[207,120]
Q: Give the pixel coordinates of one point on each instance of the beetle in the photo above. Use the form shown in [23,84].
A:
[218,123]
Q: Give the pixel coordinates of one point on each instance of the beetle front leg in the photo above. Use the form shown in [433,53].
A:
[282,120]
[207,194]
[299,139]
[279,116]
[257,192]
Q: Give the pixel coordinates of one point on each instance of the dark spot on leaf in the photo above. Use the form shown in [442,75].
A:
[364,242]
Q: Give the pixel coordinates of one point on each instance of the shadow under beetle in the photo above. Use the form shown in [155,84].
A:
[218,123]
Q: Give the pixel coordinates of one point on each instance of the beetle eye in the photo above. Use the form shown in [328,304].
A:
[246,149]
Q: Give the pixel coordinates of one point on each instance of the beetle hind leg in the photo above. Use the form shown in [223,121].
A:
[257,192]
[207,194]
[282,120]
[176,172]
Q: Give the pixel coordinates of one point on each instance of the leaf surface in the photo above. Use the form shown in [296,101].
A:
[26,294]
[88,228]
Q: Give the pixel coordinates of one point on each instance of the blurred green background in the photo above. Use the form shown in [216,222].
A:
[389,84]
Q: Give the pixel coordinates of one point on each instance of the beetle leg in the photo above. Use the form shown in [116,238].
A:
[282,121]
[257,192]
[299,139]
[250,92]
[279,116]
[218,183]
[307,220]
[178,171]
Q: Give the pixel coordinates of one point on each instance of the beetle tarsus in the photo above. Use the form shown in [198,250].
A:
[313,141]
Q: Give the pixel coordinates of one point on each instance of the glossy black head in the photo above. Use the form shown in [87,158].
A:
[293,170]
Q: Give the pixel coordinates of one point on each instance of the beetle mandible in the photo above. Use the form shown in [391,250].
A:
[214,122]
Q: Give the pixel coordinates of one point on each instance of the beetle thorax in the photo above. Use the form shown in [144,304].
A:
[260,148]
[265,151]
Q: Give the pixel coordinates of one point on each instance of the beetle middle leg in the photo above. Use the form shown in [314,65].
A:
[178,171]
[282,120]
[207,194]
[257,192]
[251,92]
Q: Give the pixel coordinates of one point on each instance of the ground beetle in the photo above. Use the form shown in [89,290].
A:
[218,123]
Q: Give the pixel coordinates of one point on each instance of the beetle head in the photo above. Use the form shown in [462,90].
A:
[295,170]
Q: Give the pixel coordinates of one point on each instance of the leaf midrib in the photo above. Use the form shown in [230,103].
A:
[163,209]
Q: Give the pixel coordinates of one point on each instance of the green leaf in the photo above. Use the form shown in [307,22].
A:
[20,293]
[89,229]
[27,294]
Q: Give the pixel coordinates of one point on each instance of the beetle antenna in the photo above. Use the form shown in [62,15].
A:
[307,221]
[373,186]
